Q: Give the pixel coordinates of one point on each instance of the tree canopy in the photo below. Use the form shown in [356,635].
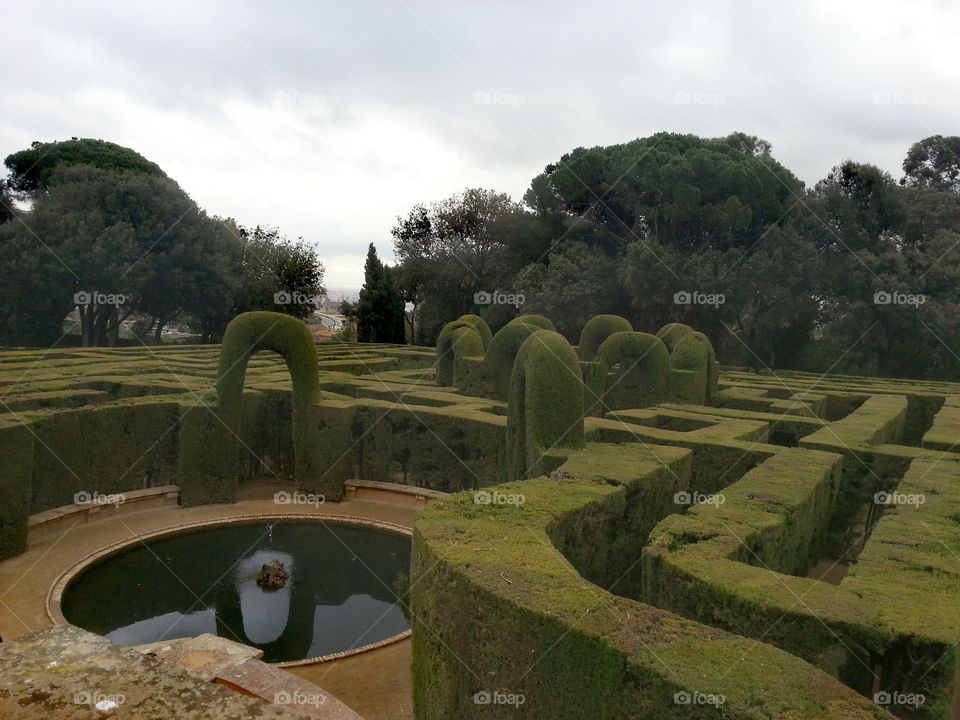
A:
[32,169]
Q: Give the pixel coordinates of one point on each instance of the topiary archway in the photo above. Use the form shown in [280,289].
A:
[545,408]
[643,378]
[283,334]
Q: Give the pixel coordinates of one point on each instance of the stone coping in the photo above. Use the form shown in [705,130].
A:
[393,492]
[55,595]
[104,504]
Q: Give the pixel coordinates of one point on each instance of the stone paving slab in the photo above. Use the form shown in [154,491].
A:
[65,672]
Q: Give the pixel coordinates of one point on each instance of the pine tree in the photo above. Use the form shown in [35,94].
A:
[380,309]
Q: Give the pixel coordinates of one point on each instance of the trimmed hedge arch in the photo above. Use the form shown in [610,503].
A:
[598,329]
[314,467]
[695,371]
[502,353]
[673,333]
[546,402]
[643,378]
[542,322]
[449,350]
[480,325]
[283,334]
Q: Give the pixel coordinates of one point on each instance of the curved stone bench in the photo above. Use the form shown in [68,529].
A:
[53,522]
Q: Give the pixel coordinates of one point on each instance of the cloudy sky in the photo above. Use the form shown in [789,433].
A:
[328,119]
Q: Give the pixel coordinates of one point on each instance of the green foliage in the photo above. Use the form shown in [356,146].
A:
[16,473]
[575,283]
[545,408]
[32,170]
[677,190]
[630,370]
[598,329]
[276,274]
[7,209]
[480,325]
[499,360]
[380,313]
[673,333]
[933,163]
[544,323]
[451,345]
[282,334]
[695,366]
[457,247]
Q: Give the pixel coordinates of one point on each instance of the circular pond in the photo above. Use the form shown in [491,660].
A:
[341,595]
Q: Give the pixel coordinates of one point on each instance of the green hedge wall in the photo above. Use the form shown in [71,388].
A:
[496,608]
[641,378]
[545,409]
[16,473]
[498,363]
[539,321]
[598,329]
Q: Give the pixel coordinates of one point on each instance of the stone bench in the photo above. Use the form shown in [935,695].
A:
[53,522]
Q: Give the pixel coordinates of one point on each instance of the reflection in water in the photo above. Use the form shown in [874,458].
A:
[340,594]
[265,613]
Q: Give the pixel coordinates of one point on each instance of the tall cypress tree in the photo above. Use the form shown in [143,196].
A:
[380,309]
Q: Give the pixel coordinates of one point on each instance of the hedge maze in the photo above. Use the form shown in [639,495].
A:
[633,533]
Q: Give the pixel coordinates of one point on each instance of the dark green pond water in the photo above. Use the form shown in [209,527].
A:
[342,593]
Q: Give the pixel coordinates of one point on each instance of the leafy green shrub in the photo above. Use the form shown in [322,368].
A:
[673,333]
[540,321]
[546,402]
[631,370]
[447,351]
[480,325]
[598,329]
[260,330]
[694,375]
[246,334]
[16,472]
[498,362]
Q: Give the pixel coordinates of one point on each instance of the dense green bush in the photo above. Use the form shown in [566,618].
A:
[499,360]
[631,370]
[16,472]
[480,325]
[673,333]
[448,352]
[598,329]
[691,365]
[283,334]
[545,408]
[540,321]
